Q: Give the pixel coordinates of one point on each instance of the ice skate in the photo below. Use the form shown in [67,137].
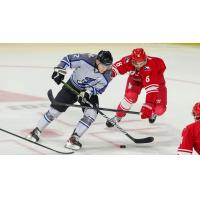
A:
[152,119]
[34,135]
[111,122]
[73,142]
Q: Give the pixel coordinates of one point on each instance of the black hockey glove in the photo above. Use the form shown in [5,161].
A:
[83,97]
[58,75]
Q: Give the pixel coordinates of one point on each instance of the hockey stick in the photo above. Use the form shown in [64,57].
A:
[54,102]
[60,152]
[141,140]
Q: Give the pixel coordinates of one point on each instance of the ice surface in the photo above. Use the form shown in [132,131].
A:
[25,73]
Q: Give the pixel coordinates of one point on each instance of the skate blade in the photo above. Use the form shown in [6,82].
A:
[29,137]
[72,147]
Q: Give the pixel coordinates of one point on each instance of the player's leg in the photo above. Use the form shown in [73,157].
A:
[132,91]
[161,104]
[82,126]
[64,96]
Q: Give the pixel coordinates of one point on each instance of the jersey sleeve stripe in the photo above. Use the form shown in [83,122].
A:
[116,72]
[153,91]
[66,61]
[151,86]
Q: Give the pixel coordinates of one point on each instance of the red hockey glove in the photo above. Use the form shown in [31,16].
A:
[146,110]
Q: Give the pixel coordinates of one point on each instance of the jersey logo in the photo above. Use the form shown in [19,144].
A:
[132,72]
[147,68]
[127,60]
[85,81]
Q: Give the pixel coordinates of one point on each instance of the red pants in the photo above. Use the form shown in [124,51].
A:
[132,91]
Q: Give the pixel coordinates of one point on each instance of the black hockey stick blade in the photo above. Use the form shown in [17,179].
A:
[50,96]
[46,147]
[141,140]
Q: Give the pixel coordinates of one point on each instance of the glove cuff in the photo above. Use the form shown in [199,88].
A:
[60,70]
[89,93]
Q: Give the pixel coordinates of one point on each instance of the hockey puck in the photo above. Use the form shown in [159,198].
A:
[122,146]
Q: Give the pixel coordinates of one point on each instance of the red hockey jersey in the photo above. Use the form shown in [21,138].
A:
[190,139]
[151,76]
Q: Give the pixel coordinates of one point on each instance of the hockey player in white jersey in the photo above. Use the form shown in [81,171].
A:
[91,76]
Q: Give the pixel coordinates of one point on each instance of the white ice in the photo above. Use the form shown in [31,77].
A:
[26,69]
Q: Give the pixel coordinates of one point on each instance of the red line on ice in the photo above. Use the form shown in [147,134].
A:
[6,96]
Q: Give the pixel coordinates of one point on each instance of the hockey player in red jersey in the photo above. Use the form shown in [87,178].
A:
[191,134]
[144,72]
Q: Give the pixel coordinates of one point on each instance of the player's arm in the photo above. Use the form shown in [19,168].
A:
[60,71]
[186,146]
[69,61]
[161,65]
[72,60]
[120,67]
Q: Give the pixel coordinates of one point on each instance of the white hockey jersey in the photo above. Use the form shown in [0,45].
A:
[86,75]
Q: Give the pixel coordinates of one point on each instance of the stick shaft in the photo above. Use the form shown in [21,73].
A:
[141,140]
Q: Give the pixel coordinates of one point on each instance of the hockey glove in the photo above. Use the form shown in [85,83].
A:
[146,110]
[58,75]
[83,97]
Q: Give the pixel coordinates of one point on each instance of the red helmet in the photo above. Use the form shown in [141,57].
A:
[138,55]
[196,110]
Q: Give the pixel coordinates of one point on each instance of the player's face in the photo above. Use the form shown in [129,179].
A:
[103,68]
[195,117]
[138,64]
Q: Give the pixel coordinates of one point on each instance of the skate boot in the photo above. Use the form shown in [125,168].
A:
[34,135]
[152,119]
[111,122]
[73,142]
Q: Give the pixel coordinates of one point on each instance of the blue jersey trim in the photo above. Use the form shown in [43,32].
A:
[84,61]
